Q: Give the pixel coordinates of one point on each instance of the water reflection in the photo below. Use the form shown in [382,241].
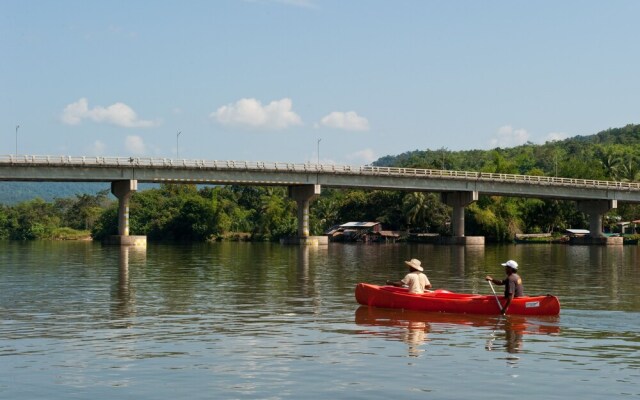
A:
[458,259]
[460,256]
[513,328]
[303,267]
[307,259]
[261,320]
[413,327]
[123,304]
[462,264]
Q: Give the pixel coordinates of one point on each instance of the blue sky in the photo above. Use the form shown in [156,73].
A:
[264,80]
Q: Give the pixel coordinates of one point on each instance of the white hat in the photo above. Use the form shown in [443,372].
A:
[511,264]
[415,264]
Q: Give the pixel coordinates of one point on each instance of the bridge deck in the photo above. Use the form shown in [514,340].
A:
[143,169]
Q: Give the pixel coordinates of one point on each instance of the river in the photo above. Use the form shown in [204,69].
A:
[266,321]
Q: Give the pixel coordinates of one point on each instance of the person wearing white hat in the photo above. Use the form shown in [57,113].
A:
[512,283]
[415,280]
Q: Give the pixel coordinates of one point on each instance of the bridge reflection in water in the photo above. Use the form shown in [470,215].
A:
[123,303]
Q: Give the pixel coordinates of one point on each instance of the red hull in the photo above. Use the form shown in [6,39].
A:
[445,301]
[521,324]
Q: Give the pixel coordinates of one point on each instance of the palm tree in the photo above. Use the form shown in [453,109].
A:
[326,211]
[610,162]
[416,209]
[629,171]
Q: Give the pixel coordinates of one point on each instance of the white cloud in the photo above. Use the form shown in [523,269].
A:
[294,3]
[365,156]
[509,137]
[135,145]
[348,121]
[251,113]
[298,3]
[120,31]
[118,114]
[553,136]
[97,148]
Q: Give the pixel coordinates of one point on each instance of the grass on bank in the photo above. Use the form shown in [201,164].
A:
[70,234]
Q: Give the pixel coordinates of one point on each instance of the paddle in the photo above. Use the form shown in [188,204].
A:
[496,296]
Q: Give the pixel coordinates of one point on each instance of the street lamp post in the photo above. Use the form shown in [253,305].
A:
[318,165]
[17,127]
[177,144]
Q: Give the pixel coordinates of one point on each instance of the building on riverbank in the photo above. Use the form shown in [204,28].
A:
[367,232]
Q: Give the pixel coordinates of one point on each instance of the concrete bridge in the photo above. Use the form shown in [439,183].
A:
[458,188]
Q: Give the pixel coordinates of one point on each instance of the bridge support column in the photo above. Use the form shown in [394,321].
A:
[596,209]
[123,190]
[304,195]
[458,201]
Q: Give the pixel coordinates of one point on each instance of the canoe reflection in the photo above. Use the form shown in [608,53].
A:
[414,326]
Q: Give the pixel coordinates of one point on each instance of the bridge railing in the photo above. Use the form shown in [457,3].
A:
[488,176]
[84,161]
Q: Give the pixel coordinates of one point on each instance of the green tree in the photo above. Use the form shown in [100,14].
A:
[83,211]
[546,216]
[494,217]
[194,221]
[5,225]
[276,217]
[106,224]
[352,206]
[34,219]
[385,206]
[628,170]
[610,160]
[425,212]
[499,164]
[325,213]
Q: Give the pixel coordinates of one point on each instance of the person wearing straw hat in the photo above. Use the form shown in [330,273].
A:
[512,283]
[415,280]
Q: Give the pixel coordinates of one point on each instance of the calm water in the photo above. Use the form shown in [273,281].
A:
[264,321]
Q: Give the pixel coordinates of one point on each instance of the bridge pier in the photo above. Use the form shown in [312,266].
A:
[123,190]
[596,209]
[458,201]
[304,195]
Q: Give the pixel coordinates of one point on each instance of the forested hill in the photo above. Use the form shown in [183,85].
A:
[12,193]
[611,154]
[15,192]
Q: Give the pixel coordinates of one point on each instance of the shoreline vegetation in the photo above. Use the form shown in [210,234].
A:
[191,213]
[69,234]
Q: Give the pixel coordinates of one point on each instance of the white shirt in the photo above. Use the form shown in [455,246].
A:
[417,281]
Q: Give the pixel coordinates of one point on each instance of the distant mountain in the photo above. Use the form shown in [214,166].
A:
[12,193]
[15,192]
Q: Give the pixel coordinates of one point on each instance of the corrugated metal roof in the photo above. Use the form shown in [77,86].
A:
[578,231]
[359,224]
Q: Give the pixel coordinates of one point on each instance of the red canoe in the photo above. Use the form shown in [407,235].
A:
[445,301]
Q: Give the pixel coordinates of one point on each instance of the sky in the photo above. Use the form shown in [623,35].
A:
[339,82]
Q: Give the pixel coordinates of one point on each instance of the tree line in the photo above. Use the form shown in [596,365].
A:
[198,213]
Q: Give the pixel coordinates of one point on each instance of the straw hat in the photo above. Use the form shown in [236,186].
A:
[415,264]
